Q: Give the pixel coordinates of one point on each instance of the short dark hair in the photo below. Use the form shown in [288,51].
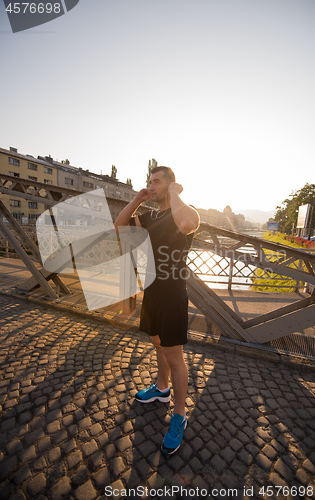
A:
[167,172]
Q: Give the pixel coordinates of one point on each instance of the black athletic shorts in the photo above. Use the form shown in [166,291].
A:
[166,318]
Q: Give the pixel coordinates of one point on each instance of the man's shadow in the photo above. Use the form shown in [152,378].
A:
[65,400]
[70,414]
[250,425]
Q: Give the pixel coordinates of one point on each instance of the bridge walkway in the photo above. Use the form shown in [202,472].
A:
[70,425]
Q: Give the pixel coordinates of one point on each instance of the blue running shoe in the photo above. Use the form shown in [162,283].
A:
[173,437]
[152,394]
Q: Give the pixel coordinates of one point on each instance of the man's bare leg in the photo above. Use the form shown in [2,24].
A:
[163,367]
[172,359]
[179,373]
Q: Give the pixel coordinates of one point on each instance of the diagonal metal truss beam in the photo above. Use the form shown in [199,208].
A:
[50,195]
[215,309]
[40,276]
[27,261]
[282,311]
[263,328]
[35,191]
[289,322]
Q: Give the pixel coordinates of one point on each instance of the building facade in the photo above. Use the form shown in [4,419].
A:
[226,219]
[25,167]
[46,170]
[211,216]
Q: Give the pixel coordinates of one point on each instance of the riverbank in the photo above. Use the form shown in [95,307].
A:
[266,280]
[290,241]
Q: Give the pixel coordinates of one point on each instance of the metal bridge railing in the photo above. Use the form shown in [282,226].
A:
[217,271]
[226,259]
[6,249]
[227,272]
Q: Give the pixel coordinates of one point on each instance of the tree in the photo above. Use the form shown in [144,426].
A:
[129,182]
[287,212]
[151,165]
[66,161]
[114,172]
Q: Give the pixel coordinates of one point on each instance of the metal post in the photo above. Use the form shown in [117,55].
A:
[297,284]
[231,273]
[127,280]
[310,224]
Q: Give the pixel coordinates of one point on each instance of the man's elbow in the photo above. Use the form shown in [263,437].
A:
[188,227]
[119,224]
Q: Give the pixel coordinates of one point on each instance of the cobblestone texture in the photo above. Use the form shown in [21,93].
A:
[70,424]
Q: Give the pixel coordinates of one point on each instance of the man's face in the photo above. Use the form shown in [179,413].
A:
[158,187]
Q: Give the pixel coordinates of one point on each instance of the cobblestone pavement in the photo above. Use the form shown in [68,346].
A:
[70,425]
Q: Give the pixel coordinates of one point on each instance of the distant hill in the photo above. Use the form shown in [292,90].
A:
[253,215]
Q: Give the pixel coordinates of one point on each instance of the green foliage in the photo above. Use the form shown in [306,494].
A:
[263,284]
[66,161]
[151,165]
[281,238]
[287,212]
[114,172]
[129,182]
[290,241]
[267,282]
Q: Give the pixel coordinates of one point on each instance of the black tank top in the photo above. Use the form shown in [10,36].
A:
[170,249]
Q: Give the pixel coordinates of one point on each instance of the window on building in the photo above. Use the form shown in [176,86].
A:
[14,161]
[126,195]
[31,166]
[47,207]
[68,181]
[33,216]
[17,216]
[118,193]
[15,203]
[48,170]
[32,178]
[88,185]
[32,204]
[14,174]
[47,181]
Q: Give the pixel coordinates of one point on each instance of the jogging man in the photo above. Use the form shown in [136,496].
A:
[164,313]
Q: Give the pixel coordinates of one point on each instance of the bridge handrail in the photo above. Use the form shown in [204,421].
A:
[253,240]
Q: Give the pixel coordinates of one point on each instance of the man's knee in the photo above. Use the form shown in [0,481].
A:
[174,355]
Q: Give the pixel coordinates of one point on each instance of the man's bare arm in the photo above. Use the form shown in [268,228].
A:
[186,218]
[126,214]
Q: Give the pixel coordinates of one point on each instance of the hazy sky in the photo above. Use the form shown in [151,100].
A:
[222,91]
